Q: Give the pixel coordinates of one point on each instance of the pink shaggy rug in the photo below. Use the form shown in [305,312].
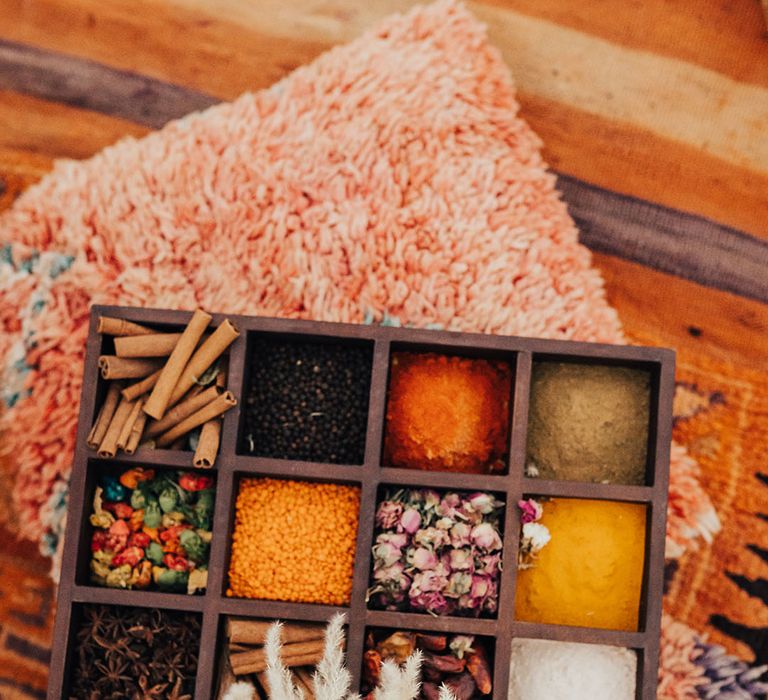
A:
[392,176]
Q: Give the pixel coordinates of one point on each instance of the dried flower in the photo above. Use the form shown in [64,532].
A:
[460,533]
[489,564]
[428,581]
[459,584]
[537,535]
[530,510]
[448,505]
[388,514]
[531,470]
[462,644]
[483,503]
[432,537]
[410,521]
[461,559]
[422,558]
[486,537]
[432,602]
[431,499]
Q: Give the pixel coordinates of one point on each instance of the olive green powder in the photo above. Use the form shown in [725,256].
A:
[588,423]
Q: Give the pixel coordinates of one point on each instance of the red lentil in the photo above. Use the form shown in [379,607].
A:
[294,541]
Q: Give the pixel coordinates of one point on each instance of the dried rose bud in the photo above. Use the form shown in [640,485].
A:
[410,521]
[388,514]
[486,537]
[530,510]
[422,558]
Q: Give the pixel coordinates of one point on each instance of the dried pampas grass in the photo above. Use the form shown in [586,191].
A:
[332,678]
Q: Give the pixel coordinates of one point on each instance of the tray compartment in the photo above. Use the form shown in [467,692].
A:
[144,647]
[396,643]
[96,470]
[105,346]
[592,420]
[449,409]
[316,409]
[264,533]
[586,575]
[437,551]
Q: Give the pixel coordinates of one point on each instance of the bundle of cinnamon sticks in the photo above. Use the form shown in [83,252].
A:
[162,387]
[302,650]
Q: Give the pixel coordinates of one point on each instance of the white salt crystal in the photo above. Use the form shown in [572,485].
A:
[546,670]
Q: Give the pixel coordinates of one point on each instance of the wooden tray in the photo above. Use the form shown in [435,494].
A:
[214,606]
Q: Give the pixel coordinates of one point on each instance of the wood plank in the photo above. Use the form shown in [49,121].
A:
[668,240]
[651,92]
[623,158]
[727,37]
[657,308]
[18,171]
[54,130]
[184,45]
[224,48]
[89,85]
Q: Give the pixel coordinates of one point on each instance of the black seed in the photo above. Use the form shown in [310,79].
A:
[308,401]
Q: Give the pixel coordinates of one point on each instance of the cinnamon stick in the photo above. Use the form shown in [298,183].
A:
[255,632]
[219,405]
[260,666]
[204,357]
[179,412]
[108,446]
[161,393]
[153,345]
[125,432]
[119,326]
[137,430]
[208,443]
[262,680]
[292,655]
[307,681]
[113,367]
[135,390]
[104,418]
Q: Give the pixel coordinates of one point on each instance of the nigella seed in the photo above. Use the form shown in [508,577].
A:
[308,401]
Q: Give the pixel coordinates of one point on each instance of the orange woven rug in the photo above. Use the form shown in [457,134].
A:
[392,176]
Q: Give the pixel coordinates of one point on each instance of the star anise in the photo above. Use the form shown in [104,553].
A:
[114,672]
[177,694]
[170,668]
[147,692]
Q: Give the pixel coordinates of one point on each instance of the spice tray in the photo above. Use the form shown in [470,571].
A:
[366,468]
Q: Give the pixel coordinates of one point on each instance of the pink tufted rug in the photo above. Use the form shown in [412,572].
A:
[392,176]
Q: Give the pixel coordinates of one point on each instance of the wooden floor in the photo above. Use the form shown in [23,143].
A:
[657,108]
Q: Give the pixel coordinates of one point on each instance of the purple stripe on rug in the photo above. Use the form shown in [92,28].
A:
[668,240]
[86,84]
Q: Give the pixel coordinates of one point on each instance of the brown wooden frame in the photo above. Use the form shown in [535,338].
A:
[230,465]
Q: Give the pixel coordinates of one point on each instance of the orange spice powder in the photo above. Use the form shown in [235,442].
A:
[447,413]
